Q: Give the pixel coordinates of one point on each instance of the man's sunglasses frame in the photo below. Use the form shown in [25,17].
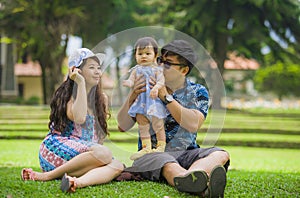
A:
[167,64]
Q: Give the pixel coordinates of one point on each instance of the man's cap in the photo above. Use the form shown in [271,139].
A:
[182,48]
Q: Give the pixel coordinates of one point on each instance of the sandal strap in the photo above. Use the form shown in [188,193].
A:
[68,184]
[74,184]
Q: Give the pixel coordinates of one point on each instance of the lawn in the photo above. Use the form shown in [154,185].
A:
[263,170]
[254,172]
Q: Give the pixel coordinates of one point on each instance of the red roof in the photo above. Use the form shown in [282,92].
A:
[34,69]
[240,63]
[28,69]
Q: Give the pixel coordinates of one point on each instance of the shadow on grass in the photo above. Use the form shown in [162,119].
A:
[239,184]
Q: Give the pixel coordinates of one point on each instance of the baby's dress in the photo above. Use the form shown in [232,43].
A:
[144,104]
[57,148]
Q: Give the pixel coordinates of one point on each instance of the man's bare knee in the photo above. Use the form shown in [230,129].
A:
[223,156]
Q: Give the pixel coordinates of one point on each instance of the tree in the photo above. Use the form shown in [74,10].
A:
[246,27]
[41,28]
[220,26]
[124,20]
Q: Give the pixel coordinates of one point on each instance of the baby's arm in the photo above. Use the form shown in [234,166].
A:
[130,81]
[160,82]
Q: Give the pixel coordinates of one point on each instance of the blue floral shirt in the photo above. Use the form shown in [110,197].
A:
[192,96]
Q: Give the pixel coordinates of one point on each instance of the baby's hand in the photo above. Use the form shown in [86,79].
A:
[154,93]
[127,83]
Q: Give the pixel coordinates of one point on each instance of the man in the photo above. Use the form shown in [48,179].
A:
[183,164]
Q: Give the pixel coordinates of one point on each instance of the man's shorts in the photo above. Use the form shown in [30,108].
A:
[150,166]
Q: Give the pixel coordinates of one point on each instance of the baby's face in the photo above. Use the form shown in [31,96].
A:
[145,56]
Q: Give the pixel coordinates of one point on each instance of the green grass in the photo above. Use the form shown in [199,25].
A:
[254,172]
[269,168]
[240,184]
[24,153]
[227,139]
[257,128]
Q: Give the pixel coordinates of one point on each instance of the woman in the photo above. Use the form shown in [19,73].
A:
[73,148]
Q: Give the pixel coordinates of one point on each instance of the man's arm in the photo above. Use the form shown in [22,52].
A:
[125,122]
[190,119]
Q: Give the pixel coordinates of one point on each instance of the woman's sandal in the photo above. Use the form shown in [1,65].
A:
[27,174]
[68,184]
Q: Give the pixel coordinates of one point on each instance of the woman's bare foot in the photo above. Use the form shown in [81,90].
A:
[27,174]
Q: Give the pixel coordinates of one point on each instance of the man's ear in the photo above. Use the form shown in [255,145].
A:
[185,70]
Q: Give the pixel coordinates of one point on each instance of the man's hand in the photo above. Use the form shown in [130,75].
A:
[138,87]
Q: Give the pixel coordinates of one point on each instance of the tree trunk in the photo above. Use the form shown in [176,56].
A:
[219,53]
[120,94]
[44,83]
[51,74]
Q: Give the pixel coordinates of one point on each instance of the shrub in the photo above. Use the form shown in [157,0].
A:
[33,100]
[279,78]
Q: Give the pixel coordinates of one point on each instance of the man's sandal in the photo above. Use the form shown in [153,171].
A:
[27,174]
[193,182]
[68,184]
[217,182]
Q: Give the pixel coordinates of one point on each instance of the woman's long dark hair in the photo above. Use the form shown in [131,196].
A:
[96,101]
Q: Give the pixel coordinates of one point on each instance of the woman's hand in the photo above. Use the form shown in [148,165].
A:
[74,74]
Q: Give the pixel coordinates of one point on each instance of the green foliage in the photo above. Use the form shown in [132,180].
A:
[242,26]
[220,26]
[279,78]
[34,100]
[229,86]
[14,100]
[41,29]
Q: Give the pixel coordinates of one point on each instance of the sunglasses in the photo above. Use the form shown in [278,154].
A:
[167,64]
